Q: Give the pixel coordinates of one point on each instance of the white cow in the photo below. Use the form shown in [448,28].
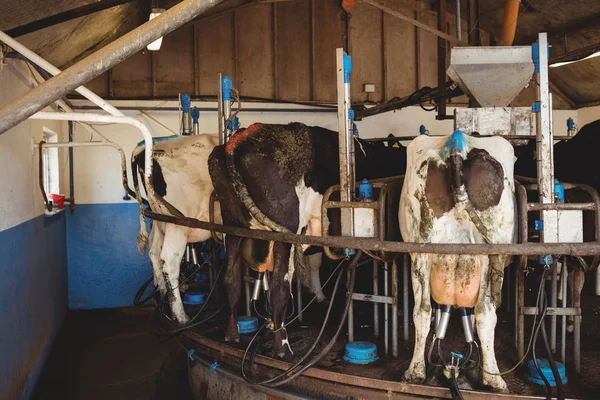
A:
[458,189]
[180,175]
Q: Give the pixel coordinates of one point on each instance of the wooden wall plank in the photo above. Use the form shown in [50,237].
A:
[133,77]
[428,51]
[400,49]
[215,52]
[175,63]
[255,51]
[328,37]
[99,85]
[293,61]
[366,51]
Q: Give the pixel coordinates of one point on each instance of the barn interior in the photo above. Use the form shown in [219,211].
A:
[80,316]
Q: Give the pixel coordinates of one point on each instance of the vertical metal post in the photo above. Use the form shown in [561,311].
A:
[520,305]
[221,121]
[350,317]
[248,291]
[441,54]
[458,27]
[578,279]
[405,312]
[385,308]
[553,295]
[346,142]
[394,309]
[544,139]
[563,329]
[299,299]
[376,293]
[506,286]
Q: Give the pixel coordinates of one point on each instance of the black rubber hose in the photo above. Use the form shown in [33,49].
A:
[542,308]
[304,357]
[329,346]
[454,390]
[137,299]
[559,387]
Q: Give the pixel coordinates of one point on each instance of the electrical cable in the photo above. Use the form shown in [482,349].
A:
[557,379]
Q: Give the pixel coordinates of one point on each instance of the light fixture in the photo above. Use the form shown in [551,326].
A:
[560,64]
[155,46]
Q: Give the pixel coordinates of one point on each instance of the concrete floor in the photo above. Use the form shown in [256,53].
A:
[110,354]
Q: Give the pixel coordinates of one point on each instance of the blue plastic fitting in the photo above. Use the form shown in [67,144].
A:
[226,88]
[422,130]
[536,107]
[190,354]
[570,124]
[559,191]
[350,114]
[535,56]
[186,102]
[546,259]
[354,130]
[195,114]
[538,225]
[347,67]
[360,353]
[534,376]
[349,252]
[213,367]
[457,355]
[365,190]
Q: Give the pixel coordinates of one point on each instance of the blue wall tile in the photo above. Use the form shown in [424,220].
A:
[105,267]
[33,300]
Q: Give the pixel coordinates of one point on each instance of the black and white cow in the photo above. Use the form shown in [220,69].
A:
[458,189]
[273,177]
[180,176]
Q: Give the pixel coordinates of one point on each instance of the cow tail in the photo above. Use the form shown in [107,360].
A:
[142,239]
[242,191]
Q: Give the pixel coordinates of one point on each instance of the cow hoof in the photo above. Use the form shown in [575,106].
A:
[286,356]
[412,376]
[496,383]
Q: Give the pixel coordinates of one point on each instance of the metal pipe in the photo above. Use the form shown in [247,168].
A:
[577,286]
[458,27]
[440,332]
[194,255]
[561,206]
[71,171]
[257,286]
[509,23]
[375,292]
[405,268]
[351,317]
[571,249]
[394,309]
[51,69]
[299,299]
[438,316]
[553,293]
[563,329]
[386,309]
[247,292]
[466,324]
[100,61]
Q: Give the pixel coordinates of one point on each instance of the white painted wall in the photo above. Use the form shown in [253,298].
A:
[97,170]
[20,197]
[587,115]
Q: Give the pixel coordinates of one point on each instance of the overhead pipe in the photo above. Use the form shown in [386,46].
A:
[100,61]
[52,70]
[509,24]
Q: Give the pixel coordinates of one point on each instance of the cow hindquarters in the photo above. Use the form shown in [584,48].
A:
[485,317]
[420,274]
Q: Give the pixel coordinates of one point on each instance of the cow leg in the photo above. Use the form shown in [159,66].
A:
[314,263]
[420,273]
[280,295]
[170,255]
[485,316]
[156,243]
[233,283]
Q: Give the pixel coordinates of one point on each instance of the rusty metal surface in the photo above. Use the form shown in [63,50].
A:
[391,387]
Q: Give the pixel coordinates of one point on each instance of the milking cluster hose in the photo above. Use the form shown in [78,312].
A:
[297,369]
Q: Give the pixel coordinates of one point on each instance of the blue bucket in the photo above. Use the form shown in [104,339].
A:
[194,298]
[535,377]
[361,353]
[247,324]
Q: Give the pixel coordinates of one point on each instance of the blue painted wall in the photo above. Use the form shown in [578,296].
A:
[33,300]
[105,267]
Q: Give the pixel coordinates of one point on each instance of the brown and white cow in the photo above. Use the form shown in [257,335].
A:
[273,177]
[458,189]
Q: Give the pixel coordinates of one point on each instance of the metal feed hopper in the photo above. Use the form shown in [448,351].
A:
[492,75]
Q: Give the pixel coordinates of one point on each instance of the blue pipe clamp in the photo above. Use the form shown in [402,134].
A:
[226,88]
[186,102]
[347,67]
[195,114]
